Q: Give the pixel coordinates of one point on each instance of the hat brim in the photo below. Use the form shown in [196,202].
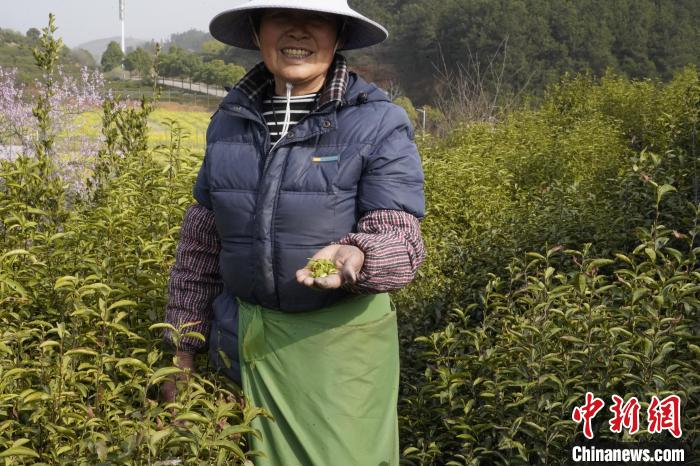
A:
[233,27]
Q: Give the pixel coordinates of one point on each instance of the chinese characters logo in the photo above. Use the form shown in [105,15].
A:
[661,415]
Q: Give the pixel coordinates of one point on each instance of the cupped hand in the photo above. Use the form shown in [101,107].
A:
[348,259]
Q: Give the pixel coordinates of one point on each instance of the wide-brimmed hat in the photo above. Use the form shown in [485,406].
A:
[233,27]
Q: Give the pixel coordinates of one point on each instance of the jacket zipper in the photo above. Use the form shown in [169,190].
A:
[257,118]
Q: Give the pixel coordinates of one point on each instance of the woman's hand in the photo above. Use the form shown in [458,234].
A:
[348,259]
[184,361]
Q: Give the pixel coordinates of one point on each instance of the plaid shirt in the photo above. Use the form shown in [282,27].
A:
[390,239]
[259,79]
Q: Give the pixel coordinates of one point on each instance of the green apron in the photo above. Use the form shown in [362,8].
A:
[329,378]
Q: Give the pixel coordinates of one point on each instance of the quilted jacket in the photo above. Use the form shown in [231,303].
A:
[277,206]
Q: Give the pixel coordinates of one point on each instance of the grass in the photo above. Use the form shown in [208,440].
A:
[192,120]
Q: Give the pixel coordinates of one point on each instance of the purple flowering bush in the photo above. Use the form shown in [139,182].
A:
[70,96]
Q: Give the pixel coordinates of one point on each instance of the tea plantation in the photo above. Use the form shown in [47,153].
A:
[562,259]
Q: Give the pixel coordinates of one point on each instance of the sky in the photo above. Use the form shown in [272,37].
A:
[81,21]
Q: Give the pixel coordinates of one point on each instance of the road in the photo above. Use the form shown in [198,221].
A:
[197,87]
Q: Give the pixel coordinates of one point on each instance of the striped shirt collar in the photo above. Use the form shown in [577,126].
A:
[254,83]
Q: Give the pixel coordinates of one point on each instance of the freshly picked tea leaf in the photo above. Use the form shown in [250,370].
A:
[321,267]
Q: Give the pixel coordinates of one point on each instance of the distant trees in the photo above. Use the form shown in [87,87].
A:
[175,63]
[33,34]
[112,57]
[83,57]
[220,73]
[16,52]
[530,44]
[140,61]
[212,49]
[191,40]
[179,63]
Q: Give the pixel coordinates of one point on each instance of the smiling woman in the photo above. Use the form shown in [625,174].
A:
[304,160]
[297,48]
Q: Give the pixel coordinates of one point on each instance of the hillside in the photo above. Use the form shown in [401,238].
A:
[97,47]
[16,52]
[529,44]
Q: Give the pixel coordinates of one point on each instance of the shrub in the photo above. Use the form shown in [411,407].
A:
[407,105]
[81,285]
[572,176]
[563,322]
[568,173]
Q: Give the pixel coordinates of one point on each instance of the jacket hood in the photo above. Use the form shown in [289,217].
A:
[360,91]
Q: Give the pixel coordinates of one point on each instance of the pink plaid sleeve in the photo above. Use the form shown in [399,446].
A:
[393,247]
[194,279]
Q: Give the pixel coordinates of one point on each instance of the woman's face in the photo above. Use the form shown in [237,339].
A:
[297,47]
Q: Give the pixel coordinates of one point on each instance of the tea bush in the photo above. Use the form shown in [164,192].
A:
[82,281]
[501,390]
[569,172]
[499,342]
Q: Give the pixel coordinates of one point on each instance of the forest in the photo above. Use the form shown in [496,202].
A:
[523,45]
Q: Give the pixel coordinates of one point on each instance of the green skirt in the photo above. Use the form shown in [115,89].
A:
[329,378]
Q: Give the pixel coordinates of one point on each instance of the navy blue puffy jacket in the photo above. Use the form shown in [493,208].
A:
[275,209]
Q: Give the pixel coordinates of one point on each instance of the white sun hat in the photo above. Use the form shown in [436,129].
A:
[233,27]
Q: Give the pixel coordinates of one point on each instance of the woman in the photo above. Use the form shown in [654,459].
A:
[304,160]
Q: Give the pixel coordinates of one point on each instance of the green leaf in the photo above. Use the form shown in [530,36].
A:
[193,417]
[133,362]
[598,263]
[572,339]
[84,351]
[661,191]
[195,335]
[157,436]
[163,373]
[49,343]
[651,253]
[121,303]
[36,396]
[63,450]
[638,293]
[535,426]
[521,401]
[68,281]
[231,446]
[695,349]
[15,252]
[548,273]
[631,357]
[624,258]
[14,285]
[19,451]
[162,325]
[581,281]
